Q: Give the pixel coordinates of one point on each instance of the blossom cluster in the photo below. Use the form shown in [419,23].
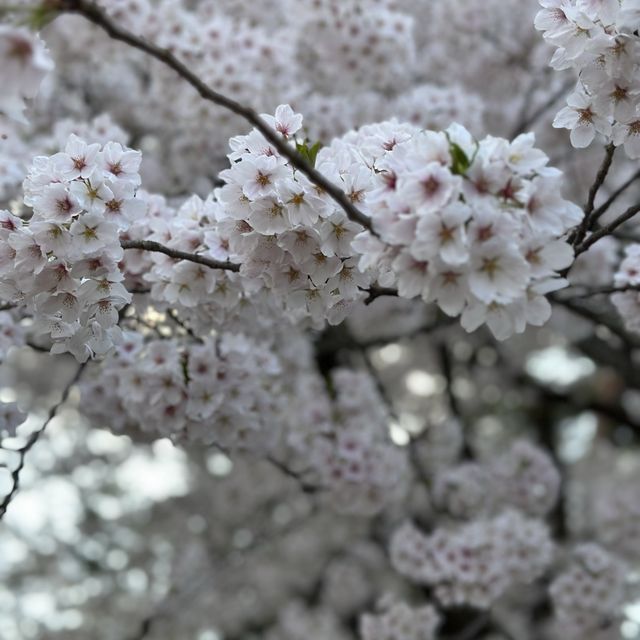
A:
[588,596]
[599,39]
[62,264]
[236,58]
[16,154]
[234,392]
[221,391]
[476,563]
[476,227]
[342,443]
[360,66]
[200,293]
[399,621]
[285,232]
[524,477]
[357,464]
[628,276]
[373,43]
[527,479]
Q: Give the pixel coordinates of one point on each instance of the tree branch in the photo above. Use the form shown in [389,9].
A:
[379,292]
[578,236]
[31,441]
[604,207]
[150,245]
[97,16]
[608,229]
[527,121]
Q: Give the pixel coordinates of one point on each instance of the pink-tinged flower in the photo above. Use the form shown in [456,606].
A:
[286,121]
[56,203]
[269,216]
[428,189]
[498,272]
[92,193]
[258,176]
[582,119]
[91,233]
[122,164]
[443,234]
[78,160]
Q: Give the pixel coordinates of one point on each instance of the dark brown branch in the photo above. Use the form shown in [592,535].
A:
[150,245]
[173,314]
[604,207]
[600,178]
[97,16]
[31,441]
[305,487]
[379,292]
[608,229]
[587,222]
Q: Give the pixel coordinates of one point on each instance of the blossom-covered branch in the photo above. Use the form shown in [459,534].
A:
[99,17]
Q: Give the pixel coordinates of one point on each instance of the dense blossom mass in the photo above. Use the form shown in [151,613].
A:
[474,226]
[343,328]
[63,264]
[600,40]
[477,563]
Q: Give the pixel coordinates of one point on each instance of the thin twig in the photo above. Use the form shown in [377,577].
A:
[527,122]
[173,314]
[31,441]
[608,229]
[97,16]
[150,245]
[587,222]
[305,487]
[604,207]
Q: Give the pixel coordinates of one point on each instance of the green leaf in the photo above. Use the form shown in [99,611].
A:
[460,160]
[309,153]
